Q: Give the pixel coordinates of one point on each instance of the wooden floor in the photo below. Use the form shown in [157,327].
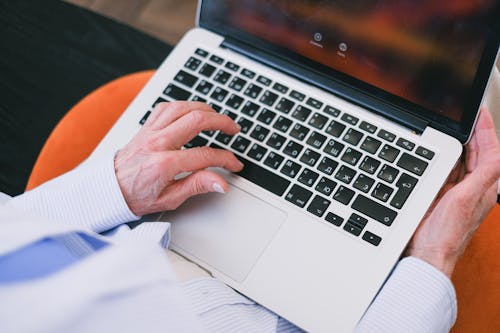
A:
[166,20]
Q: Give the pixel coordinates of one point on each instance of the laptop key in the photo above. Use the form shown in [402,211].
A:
[314,103]
[237,83]
[389,153]
[264,178]
[425,153]
[371,238]
[223,138]
[333,148]
[405,185]
[374,210]
[268,98]
[388,173]
[310,157]
[355,224]
[316,140]
[234,101]
[204,87]
[245,124]
[382,192]
[216,107]
[185,78]
[266,116]
[318,206]
[412,164]
[386,135]
[197,98]
[232,66]
[318,121]
[197,141]
[230,114]
[335,128]
[264,80]
[365,126]
[371,145]
[351,156]
[257,152]
[299,132]
[344,195]
[331,111]
[326,186]
[259,133]
[177,93]
[280,88]
[247,73]
[352,136]
[207,70]
[334,219]
[201,52]
[293,149]
[290,168]
[285,105]
[345,174]
[192,63]
[406,144]
[144,118]
[282,124]
[274,160]
[253,91]
[276,141]
[364,183]
[369,165]
[327,165]
[349,119]
[298,195]
[222,76]
[308,177]
[216,59]
[301,113]
[250,109]
[158,100]
[297,95]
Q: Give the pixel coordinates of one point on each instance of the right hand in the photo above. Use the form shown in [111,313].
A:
[147,166]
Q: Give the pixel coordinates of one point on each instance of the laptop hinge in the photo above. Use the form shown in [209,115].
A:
[329,84]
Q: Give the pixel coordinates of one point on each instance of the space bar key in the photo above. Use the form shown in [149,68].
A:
[262,177]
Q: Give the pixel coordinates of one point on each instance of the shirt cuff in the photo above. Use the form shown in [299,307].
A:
[88,196]
[417,297]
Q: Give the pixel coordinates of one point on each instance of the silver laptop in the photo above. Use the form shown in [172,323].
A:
[353,114]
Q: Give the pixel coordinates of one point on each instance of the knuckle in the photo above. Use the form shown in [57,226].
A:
[196,118]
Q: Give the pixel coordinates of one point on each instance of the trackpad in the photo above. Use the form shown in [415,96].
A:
[228,232]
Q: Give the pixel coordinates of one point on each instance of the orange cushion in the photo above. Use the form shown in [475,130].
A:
[477,276]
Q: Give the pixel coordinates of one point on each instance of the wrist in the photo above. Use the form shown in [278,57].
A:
[440,260]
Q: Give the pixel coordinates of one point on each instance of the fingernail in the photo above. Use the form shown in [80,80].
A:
[218,188]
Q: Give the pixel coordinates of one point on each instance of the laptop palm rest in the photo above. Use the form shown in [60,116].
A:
[228,232]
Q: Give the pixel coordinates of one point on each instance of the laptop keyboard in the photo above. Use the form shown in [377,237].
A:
[297,147]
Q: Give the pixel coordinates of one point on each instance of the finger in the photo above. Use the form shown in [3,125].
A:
[485,132]
[197,183]
[195,159]
[190,125]
[175,110]
[158,109]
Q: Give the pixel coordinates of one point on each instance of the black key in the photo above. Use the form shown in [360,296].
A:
[343,195]
[285,105]
[264,178]
[314,103]
[192,63]
[185,78]
[266,116]
[369,165]
[335,128]
[318,120]
[331,111]
[276,141]
[293,149]
[264,80]
[308,177]
[197,98]
[216,107]
[388,173]
[412,164]
[223,138]
[230,114]
[355,224]
[232,66]
[316,140]
[298,196]
[374,210]
[177,93]
[209,133]
[296,95]
[405,185]
[352,136]
[327,165]
[234,101]
[245,124]
[144,118]
[268,98]
[310,157]
[371,238]
[382,192]
[349,119]
[334,219]
[389,153]
[274,160]
[248,73]
[197,141]
[371,145]
[351,156]
[290,168]
[259,133]
[326,186]
[345,174]
[282,124]
[403,143]
[204,87]
[216,59]
[368,127]
[222,76]
[318,206]
[299,132]
[207,70]
[237,83]
[158,100]
[363,183]
[386,135]
[257,152]
[201,52]
[424,152]
[301,113]
[280,88]
[333,148]
[253,91]
[250,109]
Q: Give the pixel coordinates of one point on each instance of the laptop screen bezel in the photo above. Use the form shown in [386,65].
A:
[460,130]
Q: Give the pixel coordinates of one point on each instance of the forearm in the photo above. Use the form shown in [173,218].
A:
[416,298]
[88,196]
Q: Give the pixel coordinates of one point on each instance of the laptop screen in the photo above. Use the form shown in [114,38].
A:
[421,55]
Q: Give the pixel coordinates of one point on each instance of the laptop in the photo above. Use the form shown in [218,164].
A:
[353,114]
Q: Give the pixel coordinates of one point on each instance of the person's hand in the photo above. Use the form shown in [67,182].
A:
[464,201]
[147,166]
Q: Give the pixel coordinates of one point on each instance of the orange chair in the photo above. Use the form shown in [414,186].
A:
[476,278]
